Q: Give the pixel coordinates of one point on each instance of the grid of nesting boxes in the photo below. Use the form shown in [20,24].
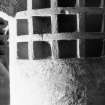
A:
[61,29]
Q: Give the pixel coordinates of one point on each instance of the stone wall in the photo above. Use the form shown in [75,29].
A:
[57,53]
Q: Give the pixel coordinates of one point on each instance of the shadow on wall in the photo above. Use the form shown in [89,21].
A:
[4,86]
[4,64]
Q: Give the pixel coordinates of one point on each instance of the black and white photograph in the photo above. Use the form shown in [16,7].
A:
[52,52]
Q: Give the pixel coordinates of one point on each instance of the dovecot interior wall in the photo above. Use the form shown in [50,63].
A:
[58,25]
[51,42]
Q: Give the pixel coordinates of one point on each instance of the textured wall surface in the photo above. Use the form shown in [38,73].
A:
[59,82]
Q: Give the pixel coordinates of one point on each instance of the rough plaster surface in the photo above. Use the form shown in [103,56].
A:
[59,82]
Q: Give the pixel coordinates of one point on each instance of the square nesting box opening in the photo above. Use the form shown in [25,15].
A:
[92,3]
[22,50]
[93,47]
[67,48]
[93,22]
[22,27]
[42,50]
[40,4]
[41,25]
[67,23]
[66,3]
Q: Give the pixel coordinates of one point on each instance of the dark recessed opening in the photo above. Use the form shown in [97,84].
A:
[92,3]
[104,3]
[42,50]
[66,3]
[67,23]
[2,22]
[41,24]
[22,50]
[38,4]
[67,48]
[21,5]
[2,47]
[2,42]
[2,50]
[93,23]
[103,53]
[22,27]
[2,31]
[93,47]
